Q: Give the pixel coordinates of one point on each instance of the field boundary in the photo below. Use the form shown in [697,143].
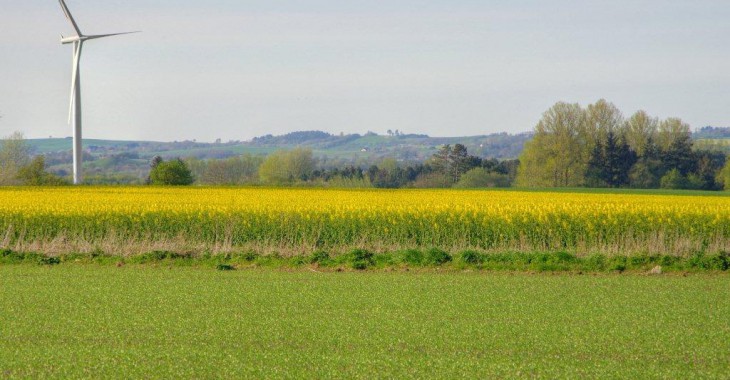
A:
[361,259]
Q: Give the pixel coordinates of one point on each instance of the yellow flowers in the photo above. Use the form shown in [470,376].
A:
[326,218]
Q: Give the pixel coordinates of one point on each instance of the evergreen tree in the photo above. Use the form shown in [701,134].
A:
[680,155]
[595,171]
[618,160]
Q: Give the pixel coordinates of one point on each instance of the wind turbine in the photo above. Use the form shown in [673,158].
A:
[74,111]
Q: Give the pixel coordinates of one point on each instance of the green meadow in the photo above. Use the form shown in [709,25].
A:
[160,321]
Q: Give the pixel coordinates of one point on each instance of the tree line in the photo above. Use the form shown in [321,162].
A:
[572,146]
[596,146]
[451,166]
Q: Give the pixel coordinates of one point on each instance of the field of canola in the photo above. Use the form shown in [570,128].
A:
[303,220]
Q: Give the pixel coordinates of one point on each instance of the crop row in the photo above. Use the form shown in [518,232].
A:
[316,218]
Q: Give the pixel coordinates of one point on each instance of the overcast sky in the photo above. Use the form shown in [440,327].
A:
[235,69]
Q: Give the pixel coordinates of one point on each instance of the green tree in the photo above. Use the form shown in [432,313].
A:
[602,118]
[723,177]
[595,170]
[619,159]
[459,161]
[671,130]
[14,154]
[174,172]
[555,157]
[238,170]
[643,175]
[674,180]
[679,155]
[641,131]
[287,167]
[35,174]
[440,160]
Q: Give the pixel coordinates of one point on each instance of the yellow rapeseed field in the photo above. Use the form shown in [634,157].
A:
[296,220]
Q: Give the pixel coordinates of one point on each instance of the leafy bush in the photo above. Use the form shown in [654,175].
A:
[49,261]
[361,259]
[155,256]
[595,262]
[411,257]
[435,256]
[618,263]
[471,257]
[720,261]
[321,258]
[249,256]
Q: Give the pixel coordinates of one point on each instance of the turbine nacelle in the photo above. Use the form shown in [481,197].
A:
[82,38]
[69,40]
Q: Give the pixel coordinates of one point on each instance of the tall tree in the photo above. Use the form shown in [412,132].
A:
[459,162]
[596,164]
[14,154]
[602,118]
[723,176]
[440,160]
[675,145]
[618,160]
[670,130]
[641,131]
[555,157]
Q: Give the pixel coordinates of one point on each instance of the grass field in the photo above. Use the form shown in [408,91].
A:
[80,321]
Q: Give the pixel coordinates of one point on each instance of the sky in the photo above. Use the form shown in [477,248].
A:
[236,69]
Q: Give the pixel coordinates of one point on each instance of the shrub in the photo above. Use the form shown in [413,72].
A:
[617,263]
[720,261]
[49,261]
[361,259]
[411,257]
[249,256]
[435,256]
[471,257]
[595,262]
[320,257]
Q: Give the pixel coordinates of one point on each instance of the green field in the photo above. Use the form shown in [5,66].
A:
[153,321]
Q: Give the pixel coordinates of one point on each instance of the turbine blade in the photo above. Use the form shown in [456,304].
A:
[69,17]
[109,35]
[74,76]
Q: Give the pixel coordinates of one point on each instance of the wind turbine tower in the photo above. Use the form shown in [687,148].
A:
[74,112]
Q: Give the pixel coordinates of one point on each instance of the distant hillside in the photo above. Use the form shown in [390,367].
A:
[410,147]
[407,147]
[712,139]
[130,159]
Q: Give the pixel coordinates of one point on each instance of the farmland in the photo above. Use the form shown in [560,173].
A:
[116,220]
[90,321]
[155,282]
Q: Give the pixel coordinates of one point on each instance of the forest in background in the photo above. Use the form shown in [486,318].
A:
[571,146]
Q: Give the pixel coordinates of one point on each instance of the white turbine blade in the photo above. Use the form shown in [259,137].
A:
[69,17]
[109,35]
[74,75]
